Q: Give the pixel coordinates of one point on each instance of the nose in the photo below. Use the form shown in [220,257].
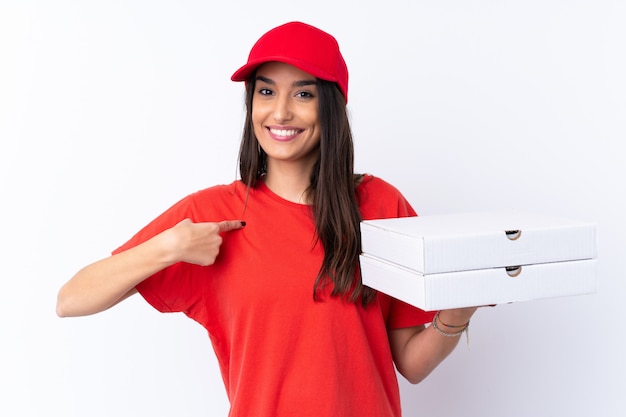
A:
[282,108]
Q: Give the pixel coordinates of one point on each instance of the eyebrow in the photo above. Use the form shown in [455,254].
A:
[301,83]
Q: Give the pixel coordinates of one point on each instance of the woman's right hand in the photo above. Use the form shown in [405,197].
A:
[198,243]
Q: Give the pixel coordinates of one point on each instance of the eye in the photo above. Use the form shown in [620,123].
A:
[265,91]
[305,94]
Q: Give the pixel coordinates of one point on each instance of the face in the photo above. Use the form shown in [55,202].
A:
[285,115]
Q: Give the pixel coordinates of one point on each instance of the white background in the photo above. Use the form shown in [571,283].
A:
[110,111]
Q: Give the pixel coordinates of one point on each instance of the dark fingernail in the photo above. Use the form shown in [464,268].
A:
[243,224]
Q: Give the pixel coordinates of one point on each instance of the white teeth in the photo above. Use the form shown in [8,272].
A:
[281,132]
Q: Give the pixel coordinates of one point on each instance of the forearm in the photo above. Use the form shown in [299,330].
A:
[104,283]
[418,352]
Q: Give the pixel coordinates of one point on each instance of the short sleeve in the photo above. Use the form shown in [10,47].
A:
[403,315]
[172,289]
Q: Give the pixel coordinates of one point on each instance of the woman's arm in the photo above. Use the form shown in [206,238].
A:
[417,351]
[105,283]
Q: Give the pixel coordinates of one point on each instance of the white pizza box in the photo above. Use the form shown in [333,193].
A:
[466,241]
[480,287]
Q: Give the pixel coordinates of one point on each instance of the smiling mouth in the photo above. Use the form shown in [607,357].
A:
[284,134]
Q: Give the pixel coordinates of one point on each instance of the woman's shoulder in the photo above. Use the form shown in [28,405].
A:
[379,199]
[372,183]
[230,190]
[217,199]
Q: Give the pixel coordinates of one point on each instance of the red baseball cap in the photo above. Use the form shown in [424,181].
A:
[303,46]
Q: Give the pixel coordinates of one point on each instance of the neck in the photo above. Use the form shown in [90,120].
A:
[290,183]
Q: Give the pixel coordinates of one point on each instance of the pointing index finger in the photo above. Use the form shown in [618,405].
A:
[228,225]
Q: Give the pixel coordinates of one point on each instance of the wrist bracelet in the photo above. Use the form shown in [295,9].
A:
[455,334]
[450,325]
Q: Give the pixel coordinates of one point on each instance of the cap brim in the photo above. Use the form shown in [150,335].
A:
[245,71]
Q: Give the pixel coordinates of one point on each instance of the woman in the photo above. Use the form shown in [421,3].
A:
[269,264]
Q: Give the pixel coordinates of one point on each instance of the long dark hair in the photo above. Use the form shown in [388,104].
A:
[332,192]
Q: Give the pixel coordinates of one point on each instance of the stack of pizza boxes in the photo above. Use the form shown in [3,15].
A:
[473,259]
